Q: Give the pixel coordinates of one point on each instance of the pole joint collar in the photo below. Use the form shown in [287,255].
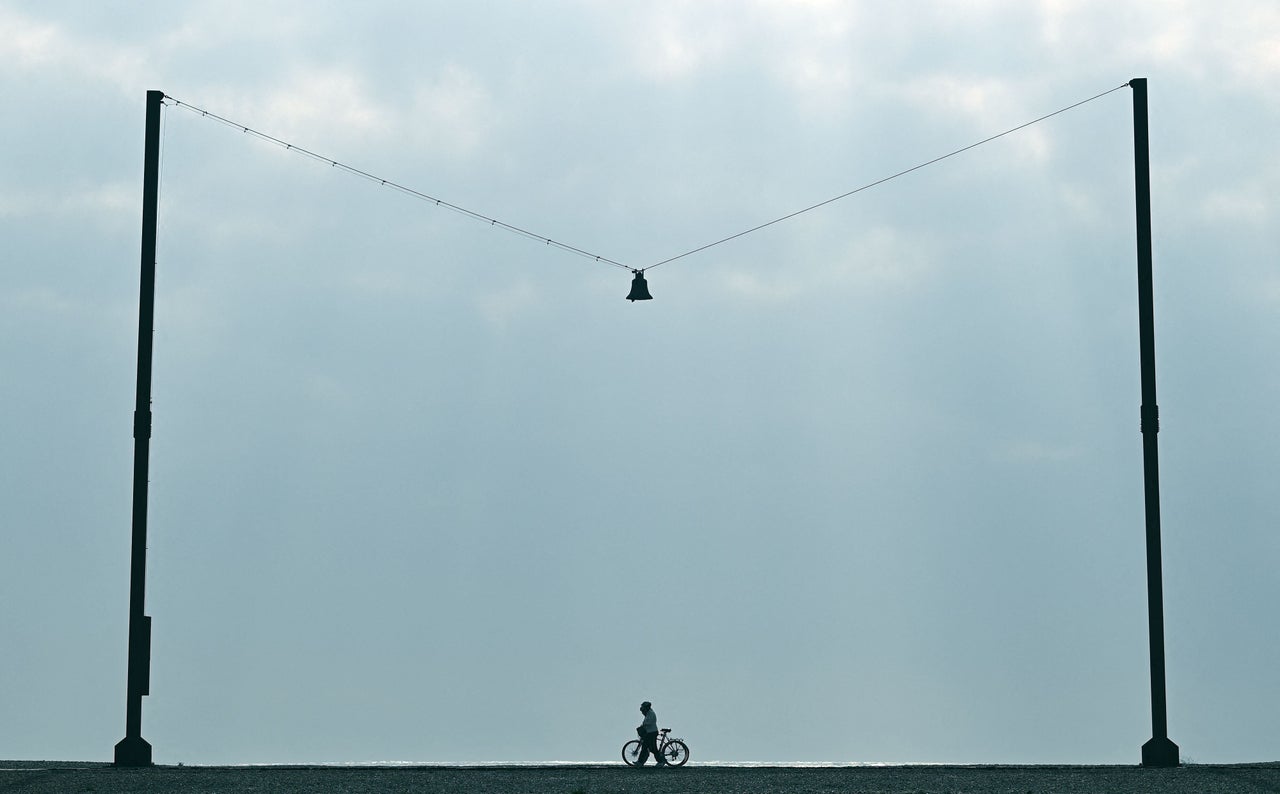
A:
[1150,419]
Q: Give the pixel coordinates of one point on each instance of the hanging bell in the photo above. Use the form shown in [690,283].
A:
[639,288]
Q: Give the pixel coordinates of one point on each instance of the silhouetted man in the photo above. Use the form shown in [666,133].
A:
[648,731]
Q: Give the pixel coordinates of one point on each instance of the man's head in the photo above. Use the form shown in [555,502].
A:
[645,706]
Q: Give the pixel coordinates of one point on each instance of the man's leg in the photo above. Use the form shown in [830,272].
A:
[651,746]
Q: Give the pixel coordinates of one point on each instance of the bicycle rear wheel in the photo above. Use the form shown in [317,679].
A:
[631,752]
[675,752]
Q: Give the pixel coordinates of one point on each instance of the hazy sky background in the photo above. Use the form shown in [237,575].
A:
[862,486]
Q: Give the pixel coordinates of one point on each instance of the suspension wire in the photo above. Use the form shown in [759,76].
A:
[597,257]
[789,216]
[402,188]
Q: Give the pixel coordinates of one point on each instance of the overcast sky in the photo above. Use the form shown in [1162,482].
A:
[862,486]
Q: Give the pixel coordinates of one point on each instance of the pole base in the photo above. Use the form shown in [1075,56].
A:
[133,751]
[1160,752]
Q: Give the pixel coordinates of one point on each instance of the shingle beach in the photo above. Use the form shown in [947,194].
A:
[101,778]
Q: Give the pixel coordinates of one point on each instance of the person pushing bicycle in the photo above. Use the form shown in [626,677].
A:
[648,731]
[666,751]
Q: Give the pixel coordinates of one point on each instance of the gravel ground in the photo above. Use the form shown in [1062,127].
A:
[74,778]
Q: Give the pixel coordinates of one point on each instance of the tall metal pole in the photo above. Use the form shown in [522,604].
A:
[1160,751]
[133,750]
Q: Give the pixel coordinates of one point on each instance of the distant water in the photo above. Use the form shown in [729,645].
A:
[548,764]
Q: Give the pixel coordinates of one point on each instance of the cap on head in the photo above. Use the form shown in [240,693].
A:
[645,705]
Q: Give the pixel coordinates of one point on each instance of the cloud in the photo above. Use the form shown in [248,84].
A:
[674,41]
[502,308]
[1034,451]
[110,200]
[1248,205]
[880,259]
[41,301]
[454,113]
[33,45]
[28,43]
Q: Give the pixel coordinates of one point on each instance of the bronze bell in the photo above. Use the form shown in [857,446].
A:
[639,288]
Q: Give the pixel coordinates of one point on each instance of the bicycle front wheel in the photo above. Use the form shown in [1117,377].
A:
[631,752]
[675,752]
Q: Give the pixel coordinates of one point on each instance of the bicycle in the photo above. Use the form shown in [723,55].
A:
[674,751]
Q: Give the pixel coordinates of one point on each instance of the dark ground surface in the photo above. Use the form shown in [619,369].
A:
[75,778]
